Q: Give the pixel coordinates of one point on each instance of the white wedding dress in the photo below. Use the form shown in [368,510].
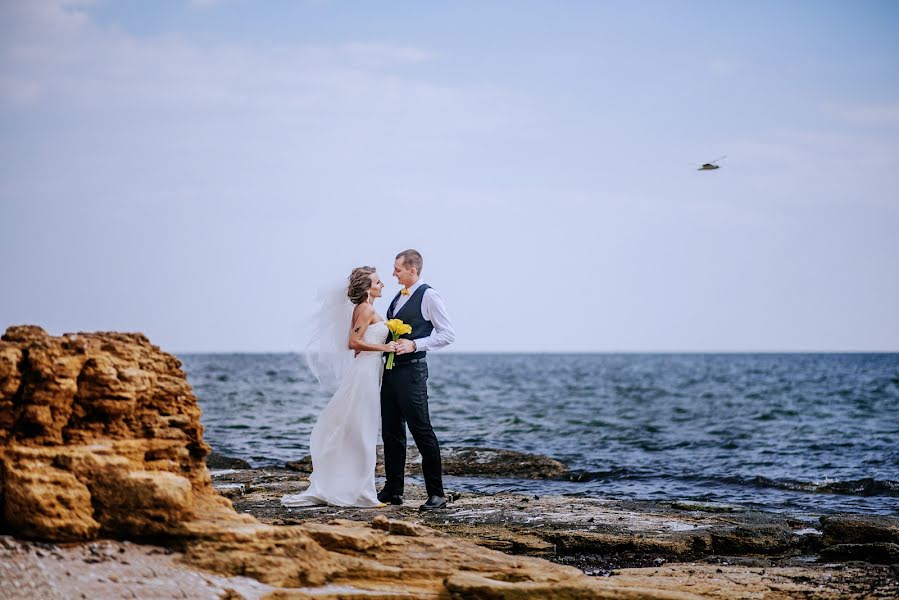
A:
[345,436]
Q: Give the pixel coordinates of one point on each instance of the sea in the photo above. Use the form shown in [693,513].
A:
[807,434]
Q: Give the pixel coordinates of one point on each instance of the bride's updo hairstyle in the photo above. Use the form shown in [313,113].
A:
[360,282]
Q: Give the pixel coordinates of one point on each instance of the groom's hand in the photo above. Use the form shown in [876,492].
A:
[405,346]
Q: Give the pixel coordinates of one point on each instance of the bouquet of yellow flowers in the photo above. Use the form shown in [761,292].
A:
[397,328]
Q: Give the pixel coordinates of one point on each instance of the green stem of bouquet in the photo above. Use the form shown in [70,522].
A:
[390,356]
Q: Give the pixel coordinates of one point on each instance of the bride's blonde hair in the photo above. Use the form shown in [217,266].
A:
[360,283]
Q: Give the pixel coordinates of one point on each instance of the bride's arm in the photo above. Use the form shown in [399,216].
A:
[361,321]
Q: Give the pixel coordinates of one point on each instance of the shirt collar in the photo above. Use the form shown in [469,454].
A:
[415,286]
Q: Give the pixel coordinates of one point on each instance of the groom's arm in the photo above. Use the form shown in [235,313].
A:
[434,310]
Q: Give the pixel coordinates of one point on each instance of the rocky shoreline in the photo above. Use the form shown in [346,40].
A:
[106,492]
[842,555]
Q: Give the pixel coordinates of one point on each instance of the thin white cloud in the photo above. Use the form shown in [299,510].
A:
[54,54]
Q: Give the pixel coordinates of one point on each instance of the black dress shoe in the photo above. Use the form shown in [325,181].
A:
[433,503]
[388,498]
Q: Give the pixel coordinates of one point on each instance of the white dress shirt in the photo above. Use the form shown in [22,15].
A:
[433,309]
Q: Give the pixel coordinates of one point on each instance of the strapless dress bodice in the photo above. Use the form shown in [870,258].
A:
[376,333]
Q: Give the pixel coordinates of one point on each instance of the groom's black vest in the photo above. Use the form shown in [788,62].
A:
[410,314]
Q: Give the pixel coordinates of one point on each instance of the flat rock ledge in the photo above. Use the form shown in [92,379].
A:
[674,546]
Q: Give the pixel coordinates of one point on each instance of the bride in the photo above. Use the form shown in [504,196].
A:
[346,434]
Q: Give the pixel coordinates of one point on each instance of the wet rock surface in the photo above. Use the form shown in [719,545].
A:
[875,552]
[554,526]
[665,543]
[860,529]
[219,461]
[466,461]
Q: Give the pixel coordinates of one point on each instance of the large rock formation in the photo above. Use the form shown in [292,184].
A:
[100,435]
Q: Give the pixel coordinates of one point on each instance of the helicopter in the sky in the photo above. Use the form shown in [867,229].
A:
[712,165]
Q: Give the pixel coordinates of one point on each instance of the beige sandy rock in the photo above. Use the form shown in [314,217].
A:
[100,435]
[772,583]
[473,586]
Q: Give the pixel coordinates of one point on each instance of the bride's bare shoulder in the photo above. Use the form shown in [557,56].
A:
[362,311]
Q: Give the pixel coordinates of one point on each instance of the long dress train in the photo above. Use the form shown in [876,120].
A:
[345,437]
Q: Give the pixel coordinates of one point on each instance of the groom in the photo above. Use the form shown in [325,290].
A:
[404,389]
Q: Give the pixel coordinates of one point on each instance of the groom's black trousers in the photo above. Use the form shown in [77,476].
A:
[404,400]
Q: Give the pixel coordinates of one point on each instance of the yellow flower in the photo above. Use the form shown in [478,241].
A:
[397,328]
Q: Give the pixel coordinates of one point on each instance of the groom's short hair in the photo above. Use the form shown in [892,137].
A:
[411,258]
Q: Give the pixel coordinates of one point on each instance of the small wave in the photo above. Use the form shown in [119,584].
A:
[864,487]
[598,475]
[867,486]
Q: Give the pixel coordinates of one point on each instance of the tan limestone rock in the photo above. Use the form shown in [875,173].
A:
[402,527]
[99,434]
[341,536]
[41,501]
[474,586]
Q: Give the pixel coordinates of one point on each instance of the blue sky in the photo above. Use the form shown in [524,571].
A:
[194,170]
